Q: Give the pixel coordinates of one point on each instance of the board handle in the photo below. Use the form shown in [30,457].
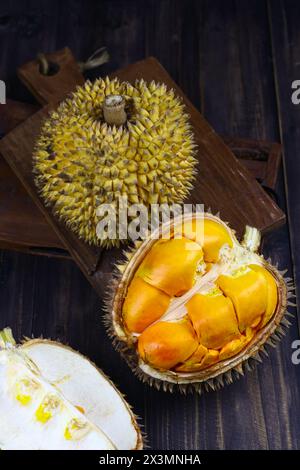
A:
[51,77]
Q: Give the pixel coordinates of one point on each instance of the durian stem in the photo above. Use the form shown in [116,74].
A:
[114,110]
[6,338]
[252,238]
[43,63]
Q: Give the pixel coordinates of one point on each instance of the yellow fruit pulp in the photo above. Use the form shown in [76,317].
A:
[47,408]
[218,322]
[171,265]
[214,319]
[165,344]
[143,305]
[210,234]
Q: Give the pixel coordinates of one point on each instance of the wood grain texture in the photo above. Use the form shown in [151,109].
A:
[21,224]
[284,20]
[52,87]
[18,153]
[222,183]
[240,38]
[260,157]
[220,54]
[24,228]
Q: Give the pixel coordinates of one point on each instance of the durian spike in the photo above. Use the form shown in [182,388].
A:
[114,110]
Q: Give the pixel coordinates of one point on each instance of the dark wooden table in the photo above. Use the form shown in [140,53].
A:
[235,60]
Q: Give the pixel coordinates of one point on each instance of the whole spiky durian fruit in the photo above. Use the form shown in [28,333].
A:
[112,139]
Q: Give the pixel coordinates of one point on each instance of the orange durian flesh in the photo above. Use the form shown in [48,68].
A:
[232,348]
[192,363]
[218,324]
[215,236]
[272,294]
[171,265]
[143,305]
[201,359]
[210,234]
[235,346]
[248,292]
[165,344]
[213,319]
[210,358]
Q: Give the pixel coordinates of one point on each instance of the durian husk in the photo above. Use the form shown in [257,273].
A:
[223,372]
[81,162]
[72,374]
[31,344]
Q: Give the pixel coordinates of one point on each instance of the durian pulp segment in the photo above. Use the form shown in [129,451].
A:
[35,414]
[232,260]
[232,263]
[246,317]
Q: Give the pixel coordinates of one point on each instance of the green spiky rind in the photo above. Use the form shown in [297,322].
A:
[80,162]
[130,355]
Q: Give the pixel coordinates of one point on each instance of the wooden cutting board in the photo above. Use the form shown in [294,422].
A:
[222,183]
[23,227]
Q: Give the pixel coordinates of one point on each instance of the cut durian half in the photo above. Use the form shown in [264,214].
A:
[52,397]
[215,354]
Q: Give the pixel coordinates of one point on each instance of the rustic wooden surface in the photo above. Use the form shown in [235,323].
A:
[234,192]
[24,228]
[235,195]
[21,224]
[235,61]
[58,83]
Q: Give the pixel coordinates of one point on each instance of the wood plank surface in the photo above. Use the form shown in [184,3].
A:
[21,224]
[222,183]
[59,82]
[240,37]
[220,53]
[284,21]
[24,228]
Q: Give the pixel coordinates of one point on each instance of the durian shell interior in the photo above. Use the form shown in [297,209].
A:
[217,370]
[82,383]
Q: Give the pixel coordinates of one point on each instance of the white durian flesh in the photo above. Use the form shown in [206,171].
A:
[51,397]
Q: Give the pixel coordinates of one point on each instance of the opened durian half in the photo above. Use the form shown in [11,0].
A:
[51,397]
[193,308]
[112,140]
